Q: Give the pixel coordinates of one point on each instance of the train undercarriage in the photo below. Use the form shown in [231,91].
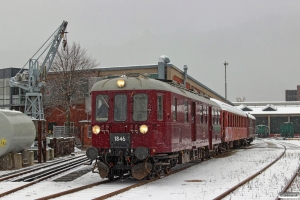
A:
[121,163]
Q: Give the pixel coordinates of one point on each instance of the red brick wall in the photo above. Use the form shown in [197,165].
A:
[56,115]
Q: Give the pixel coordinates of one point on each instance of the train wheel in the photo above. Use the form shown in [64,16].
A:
[207,154]
[111,177]
[167,170]
[157,175]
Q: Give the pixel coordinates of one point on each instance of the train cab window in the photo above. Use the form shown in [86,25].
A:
[120,107]
[186,111]
[201,113]
[174,109]
[140,107]
[159,107]
[102,108]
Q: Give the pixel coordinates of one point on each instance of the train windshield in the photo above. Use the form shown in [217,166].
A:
[120,107]
[140,106]
[102,108]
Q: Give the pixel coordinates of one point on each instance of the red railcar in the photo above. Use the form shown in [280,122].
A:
[237,127]
[143,126]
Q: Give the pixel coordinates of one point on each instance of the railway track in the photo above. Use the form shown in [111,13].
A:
[35,168]
[107,188]
[38,174]
[293,185]
[271,175]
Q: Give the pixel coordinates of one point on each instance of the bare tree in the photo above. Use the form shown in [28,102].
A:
[67,83]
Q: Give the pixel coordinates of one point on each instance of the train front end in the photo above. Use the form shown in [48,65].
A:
[122,139]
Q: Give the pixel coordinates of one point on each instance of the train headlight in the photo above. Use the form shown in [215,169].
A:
[96,129]
[121,83]
[144,129]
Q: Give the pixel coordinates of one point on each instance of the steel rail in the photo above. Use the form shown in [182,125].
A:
[25,171]
[224,194]
[49,171]
[144,182]
[39,180]
[140,183]
[291,180]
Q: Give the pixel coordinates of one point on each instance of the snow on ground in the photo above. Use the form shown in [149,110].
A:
[211,178]
[206,180]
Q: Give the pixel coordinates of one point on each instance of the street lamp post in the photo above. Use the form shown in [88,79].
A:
[225,64]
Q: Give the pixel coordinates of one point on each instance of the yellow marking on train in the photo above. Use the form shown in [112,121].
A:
[3,143]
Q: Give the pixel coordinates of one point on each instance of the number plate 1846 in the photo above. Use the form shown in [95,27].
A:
[119,140]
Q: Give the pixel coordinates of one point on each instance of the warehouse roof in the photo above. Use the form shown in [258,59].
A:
[271,109]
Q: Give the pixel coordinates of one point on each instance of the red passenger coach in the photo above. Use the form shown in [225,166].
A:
[237,127]
[143,127]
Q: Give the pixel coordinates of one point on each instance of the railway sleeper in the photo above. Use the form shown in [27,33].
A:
[162,164]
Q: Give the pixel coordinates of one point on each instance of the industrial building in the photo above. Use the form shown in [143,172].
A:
[293,95]
[12,98]
[273,114]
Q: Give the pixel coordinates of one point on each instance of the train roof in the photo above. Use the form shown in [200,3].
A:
[229,108]
[250,116]
[146,83]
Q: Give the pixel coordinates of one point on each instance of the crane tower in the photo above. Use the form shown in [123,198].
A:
[33,78]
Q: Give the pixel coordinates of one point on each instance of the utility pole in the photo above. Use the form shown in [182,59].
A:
[225,64]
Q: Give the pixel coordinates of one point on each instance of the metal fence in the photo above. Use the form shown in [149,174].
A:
[64,131]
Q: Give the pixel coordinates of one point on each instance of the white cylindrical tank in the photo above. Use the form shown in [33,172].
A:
[17,131]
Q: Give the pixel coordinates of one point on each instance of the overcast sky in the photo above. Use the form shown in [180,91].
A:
[259,39]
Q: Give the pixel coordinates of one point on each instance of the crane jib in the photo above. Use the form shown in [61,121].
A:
[32,79]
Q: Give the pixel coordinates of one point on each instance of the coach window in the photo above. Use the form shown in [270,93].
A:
[120,107]
[204,114]
[213,115]
[186,111]
[140,106]
[201,113]
[159,108]
[102,108]
[174,109]
[216,116]
[219,117]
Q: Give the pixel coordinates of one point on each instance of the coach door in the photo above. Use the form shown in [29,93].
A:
[193,125]
[160,125]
